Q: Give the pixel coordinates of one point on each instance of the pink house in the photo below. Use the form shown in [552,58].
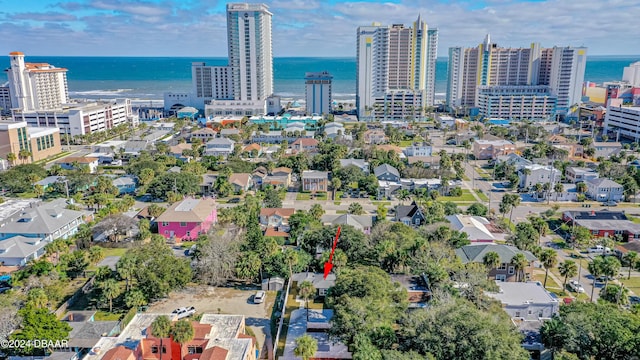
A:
[187,219]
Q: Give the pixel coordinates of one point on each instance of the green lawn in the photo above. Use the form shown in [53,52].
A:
[405,143]
[337,203]
[340,212]
[633,284]
[466,196]
[482,195]
[114,251]
[106,316]
[303,196]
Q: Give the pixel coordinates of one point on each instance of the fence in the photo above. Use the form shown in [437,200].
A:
[80,292]
[282,313]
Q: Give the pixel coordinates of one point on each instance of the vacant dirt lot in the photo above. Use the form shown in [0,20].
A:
[216,300]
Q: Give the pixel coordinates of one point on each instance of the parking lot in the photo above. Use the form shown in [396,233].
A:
[216,300]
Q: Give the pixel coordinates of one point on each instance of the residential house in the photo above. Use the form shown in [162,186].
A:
[335,130]
[164,126]
[606,149]
[279,178]
[215,337]
[204,134]
[530,175]
[19,250]
[578,174]
[363,223]
[219,147]
[375,136]
[177,151]
[85,333]
[253,150]
[206,185]
[229,133]
[506,270]
[387,172]
[601,189]
[321,284]
[48,221]
[258,176]
[289,135]
[186,219]
[241,182]
[514,160]
[50,180]
[125,184]
[75,162]
[277,218]
[604,223]
[477,228]
[389,147]
[573,150]
[526,300]
[417,287]
[133,148]
[12,209]
[305,144]
[359,163]
[491,149]
[418,149]
[315,181]
[409,215]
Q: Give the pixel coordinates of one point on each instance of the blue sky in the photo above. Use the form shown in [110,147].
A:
[308,27]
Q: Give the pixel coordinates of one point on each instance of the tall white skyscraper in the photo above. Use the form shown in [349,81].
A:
[631,74]
[395,60]
[250,53]
[36,86]
[488,65]
[318,92]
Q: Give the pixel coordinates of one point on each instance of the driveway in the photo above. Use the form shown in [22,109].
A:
[218,300]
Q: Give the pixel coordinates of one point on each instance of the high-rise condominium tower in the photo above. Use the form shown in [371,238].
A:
[36,86]
[396,70]
[250,55]
[471,70]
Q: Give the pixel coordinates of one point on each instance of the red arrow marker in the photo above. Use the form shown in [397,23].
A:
[329,264]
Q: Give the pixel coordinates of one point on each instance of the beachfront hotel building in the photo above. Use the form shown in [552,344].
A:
[81,118]
[5,100]
[487,65]
[36,86]
[241,87]
[318,92]
[517,102]
[395,60]
[38,142]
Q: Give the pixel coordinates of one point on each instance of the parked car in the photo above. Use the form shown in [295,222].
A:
[183,312]
[634,300]
[575,286]
[599,249]
[610,203]
[258,298]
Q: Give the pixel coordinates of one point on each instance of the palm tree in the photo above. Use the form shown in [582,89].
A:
[611,266]
[38,298]
[520,262]
[581,187]
[11,158]
[161,328]
[306,347]
[567,268]
[306,291]
[355,209]
[595,268]
[96,253]
[403,195]
[491,260]
[38,190]
[135,299]
[558,188]
[291,258]
[182,332]
[110,290]
[549,259]
[316,211]
[632,260]
[541,225]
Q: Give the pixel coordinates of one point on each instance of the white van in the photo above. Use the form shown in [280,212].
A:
[258,298]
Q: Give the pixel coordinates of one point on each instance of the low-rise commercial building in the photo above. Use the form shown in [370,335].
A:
[38,142]
[491,149]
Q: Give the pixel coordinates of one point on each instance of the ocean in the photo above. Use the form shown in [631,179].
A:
[149,77]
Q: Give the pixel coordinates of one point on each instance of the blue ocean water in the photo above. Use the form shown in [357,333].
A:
[149,77]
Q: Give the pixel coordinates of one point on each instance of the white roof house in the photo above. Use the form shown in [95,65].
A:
[474,226]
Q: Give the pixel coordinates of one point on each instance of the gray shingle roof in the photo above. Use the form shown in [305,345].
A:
[20,247]
[44,219]
[357,221]
[476,252]
[406,211]
[386,168]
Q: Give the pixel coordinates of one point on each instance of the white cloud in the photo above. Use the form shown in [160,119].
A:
[317,28]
